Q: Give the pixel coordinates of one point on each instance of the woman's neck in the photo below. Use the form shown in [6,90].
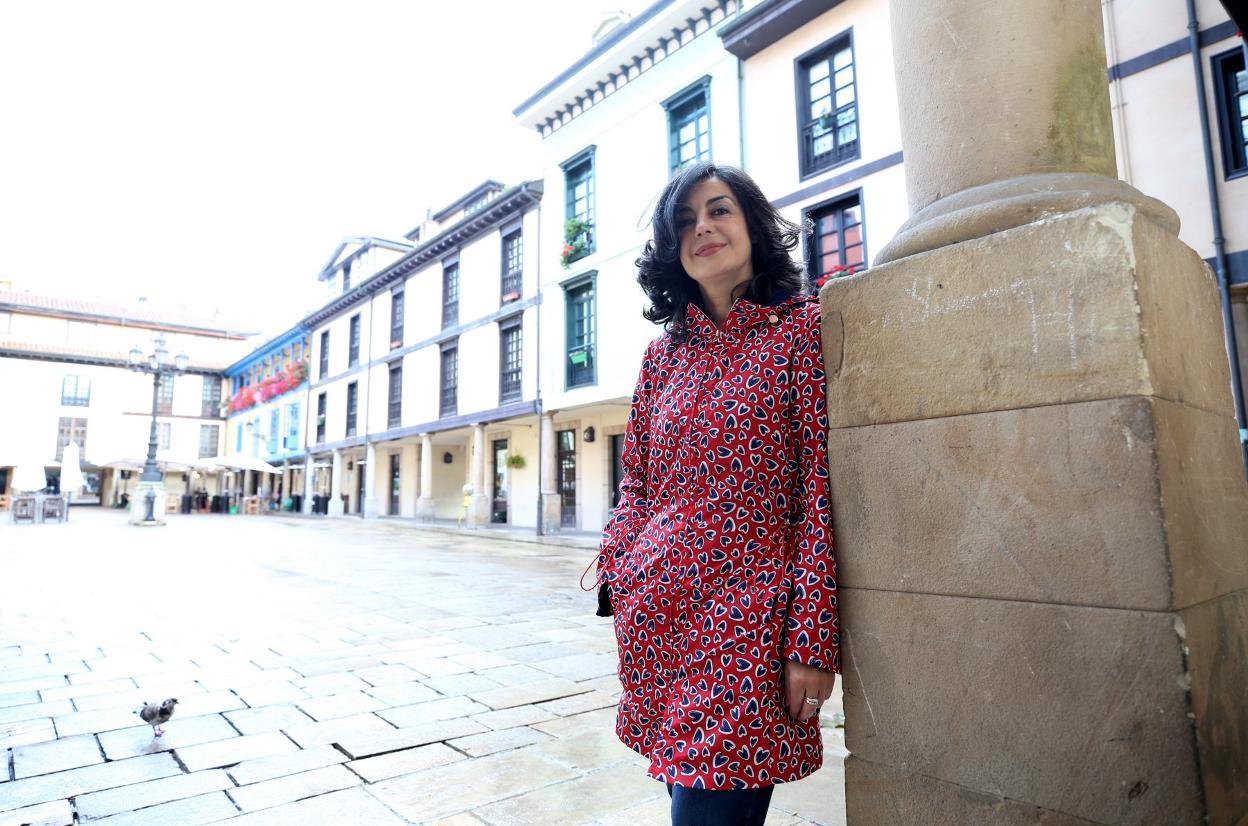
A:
[718,303]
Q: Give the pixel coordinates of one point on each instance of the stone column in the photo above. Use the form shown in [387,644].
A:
[552,506]
[424,503]
[1040,506]
[248,476]
[335,486]
[409,472]
[479,510]
[369,508]
[308,477]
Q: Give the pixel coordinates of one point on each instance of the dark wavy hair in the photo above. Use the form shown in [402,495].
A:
[772,239]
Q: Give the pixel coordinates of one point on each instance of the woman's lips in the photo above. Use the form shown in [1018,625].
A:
[709,249]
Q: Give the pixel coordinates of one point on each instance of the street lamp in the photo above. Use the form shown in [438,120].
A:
[162,369]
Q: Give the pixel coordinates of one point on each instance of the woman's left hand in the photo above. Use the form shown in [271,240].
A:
[803,681]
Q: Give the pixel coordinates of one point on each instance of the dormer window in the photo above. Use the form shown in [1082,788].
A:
[346,277]
[476,205]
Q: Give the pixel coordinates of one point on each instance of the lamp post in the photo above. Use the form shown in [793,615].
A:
[151,488]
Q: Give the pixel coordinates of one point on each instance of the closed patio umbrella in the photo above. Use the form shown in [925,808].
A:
[71,471]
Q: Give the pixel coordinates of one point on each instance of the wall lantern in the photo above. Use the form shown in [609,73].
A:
[350,465]
[447,458]
[589,434]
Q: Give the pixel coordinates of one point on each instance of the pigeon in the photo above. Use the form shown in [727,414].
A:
[157,715]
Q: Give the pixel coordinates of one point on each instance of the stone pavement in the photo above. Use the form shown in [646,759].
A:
[327,671]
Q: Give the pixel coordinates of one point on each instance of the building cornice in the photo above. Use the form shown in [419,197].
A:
[464,200]
[18,308]
[264,350]
[757,28]
[506,411]
[20,350]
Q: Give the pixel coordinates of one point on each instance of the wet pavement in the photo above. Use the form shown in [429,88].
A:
[327,671]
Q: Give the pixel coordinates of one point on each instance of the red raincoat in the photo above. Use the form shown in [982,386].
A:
[719,557]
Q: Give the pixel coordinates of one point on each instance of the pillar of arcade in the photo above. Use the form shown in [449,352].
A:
[1041,509]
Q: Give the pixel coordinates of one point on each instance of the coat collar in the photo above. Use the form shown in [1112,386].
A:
[743,315]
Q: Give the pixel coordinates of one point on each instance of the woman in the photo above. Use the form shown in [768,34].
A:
[719,560]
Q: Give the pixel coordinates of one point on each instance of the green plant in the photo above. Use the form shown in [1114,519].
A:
[575,240]
[516,461]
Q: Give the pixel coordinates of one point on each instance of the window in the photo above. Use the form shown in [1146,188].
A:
[448,402]
[477,205]
[164,434]
[346,276]
[353,397]
[238,438]
[210,407]
[291,441]
[76,391]
[509,344]
[450,294]
[513,265]
[837,245]
[1231,91]
[579,184]
[394,416]
[275,430]
[320,418]
[71,430]
[324,355]
[396,319]
[828,114]
[580,334]
[566,441]
[209,435]
[689,126]
[353,345]
[164,399]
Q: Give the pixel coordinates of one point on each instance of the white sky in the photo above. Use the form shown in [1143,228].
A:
[211,155]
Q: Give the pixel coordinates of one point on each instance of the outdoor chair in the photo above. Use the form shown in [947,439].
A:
[4,501]
[24,510]
[54,509]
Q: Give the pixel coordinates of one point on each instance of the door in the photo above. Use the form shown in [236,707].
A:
[395,485]
[498,496]
[360,469]
[617,468]
[567,477]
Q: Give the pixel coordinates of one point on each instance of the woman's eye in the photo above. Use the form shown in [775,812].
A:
[720,211]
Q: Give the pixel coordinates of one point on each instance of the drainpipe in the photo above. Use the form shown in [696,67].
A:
[741,109]
[538,375]
[1219,242]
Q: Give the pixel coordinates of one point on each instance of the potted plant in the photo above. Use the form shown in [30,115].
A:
[575,241]
[515,460]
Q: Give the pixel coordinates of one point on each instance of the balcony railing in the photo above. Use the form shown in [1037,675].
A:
[830,140]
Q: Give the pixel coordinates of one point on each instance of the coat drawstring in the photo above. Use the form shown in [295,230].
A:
[604,595]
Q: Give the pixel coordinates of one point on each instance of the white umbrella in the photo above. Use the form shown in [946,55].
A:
[241,461]
[71,470]
[123,463]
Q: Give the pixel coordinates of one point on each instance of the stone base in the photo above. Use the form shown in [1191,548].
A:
[336,506]
[372,508]
[424,508]
[479,510]
[138,504]
[552,513]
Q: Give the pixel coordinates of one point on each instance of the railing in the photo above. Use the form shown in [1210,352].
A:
[820,146]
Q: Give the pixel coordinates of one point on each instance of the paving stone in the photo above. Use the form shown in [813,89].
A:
[431,666]
[206,808]
[270,693]
[40,684]
[335,706]
[26,732]
[236,750]
[491,637]
[365,745]
[35,710]
[18,698]
[656,810]
[462,819]
[267,718]
[423,796]
[540,651]
[587,750]
[132,697]
[210,702]
[564,804]
[385,766]
[514,716]
[293,787]
[330,684]
[347,664]
[525,693]
[351,806]
[603,718]
[517,674]
[55,813]
[433,710]
[579,703]
[246,674]
[482,660]
[280,765]
[330,731]
[387,674]
[84,722]
[454,685]
[48,787]
[179,734]
[62,692]
[151,793]
[403,694]
[491,742]
[41,668]
[579,666]
[58,755]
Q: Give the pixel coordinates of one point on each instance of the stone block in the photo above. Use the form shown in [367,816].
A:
[331,731]
[333,706]
[26,732]
[267,718]
[565,803]
[270,693]
[347,806]
[154,792]
[1076,709]
[387,674]
[236,750]
[1066,309]
[179,734]
[334,683]
[290,788]
[586,750]
[883,794]
[444,709]
[56,813]
[579,666]
[1217,640]
[55,756]
[18,698]
[193,811]
[526,693]
[492,742]
[1047,504]
[1205,501]
[35,710]
[514,716]
[280,765]
[454,685]
[367,744]
[403,694]
[385,766]
[49,787]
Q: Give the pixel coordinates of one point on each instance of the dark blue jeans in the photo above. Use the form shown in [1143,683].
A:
[719,807]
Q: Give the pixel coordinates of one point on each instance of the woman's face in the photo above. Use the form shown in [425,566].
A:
[715,245]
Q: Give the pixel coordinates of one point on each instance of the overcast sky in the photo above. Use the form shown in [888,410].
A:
[211,155]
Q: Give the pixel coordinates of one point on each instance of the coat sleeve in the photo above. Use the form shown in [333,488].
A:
[633,508]
[812,630]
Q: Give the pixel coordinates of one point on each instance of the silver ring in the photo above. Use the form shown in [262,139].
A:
[812,701]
